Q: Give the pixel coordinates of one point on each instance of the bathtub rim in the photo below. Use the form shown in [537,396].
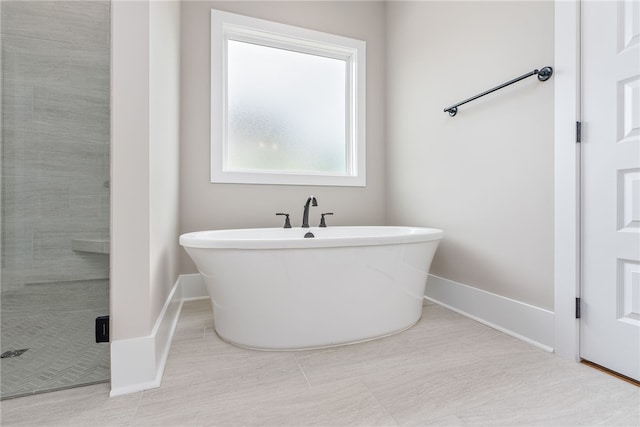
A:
[280,238]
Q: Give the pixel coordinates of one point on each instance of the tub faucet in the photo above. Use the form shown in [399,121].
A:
[305,214]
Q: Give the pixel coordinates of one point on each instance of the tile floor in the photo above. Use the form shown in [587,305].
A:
[60,338]
[446,371]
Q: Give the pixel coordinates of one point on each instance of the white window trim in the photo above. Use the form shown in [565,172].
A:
[229,26]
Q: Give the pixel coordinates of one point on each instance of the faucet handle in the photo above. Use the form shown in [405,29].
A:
[322,223]
[287,223]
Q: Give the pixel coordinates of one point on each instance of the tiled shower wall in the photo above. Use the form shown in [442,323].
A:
[55,139]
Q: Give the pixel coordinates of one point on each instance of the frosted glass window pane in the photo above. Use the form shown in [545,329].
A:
[286,110]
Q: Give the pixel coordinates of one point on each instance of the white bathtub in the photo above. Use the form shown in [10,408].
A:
[273,289]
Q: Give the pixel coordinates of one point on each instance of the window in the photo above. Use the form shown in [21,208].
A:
[287,104]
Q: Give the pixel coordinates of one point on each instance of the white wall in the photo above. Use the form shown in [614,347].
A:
[145,162]
[164,149]
[130,305]
[212,206]
[485,176]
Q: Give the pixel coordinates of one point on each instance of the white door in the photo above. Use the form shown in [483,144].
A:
[610,290]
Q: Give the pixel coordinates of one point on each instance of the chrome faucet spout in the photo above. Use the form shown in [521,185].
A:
[305,215]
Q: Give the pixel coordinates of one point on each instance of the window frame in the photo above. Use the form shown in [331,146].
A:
[227,26]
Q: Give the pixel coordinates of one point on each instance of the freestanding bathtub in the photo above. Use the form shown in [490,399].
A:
[274,289]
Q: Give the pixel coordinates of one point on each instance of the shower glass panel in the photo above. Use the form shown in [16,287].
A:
[54,277]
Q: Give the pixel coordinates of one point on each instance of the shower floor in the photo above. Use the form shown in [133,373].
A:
[55,322]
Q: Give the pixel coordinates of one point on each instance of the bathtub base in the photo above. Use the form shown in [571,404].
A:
[320,347]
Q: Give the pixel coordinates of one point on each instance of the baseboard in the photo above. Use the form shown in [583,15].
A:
[526,322]
[138,363]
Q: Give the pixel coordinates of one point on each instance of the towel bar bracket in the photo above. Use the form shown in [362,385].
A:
[545,74]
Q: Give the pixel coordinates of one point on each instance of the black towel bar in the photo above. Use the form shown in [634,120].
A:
[543,75]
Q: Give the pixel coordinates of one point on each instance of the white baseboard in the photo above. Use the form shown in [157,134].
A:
[526,322]
[138,363]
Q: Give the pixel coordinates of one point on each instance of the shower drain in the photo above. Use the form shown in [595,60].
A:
[13,353]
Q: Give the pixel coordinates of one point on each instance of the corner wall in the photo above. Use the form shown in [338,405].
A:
[164,150]
[130,180]
[145,91]
[214,206]
[485,176]
[145,164]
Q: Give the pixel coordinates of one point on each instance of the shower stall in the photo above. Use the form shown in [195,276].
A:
[54,204]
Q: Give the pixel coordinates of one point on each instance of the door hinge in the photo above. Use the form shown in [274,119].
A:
[578,131]
[102,329]
[577,308]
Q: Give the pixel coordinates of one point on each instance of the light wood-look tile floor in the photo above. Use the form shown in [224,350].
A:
[445,371]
